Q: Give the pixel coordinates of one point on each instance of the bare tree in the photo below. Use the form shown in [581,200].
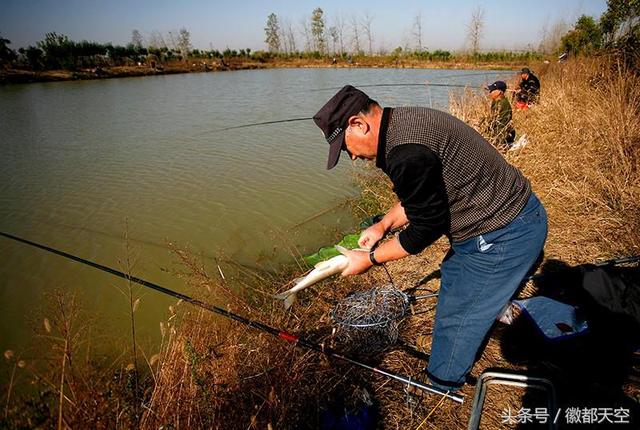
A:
[184,42]
[136,39]
[475,28]
[366,26]
[306,33]
[156,40]
[551,38]
[355,34]
[282,34]
[339,26]
[417,30]
[291,38]
[173,40]
[544,34]
[334,36]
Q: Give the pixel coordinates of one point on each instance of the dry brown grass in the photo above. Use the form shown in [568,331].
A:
[583,158]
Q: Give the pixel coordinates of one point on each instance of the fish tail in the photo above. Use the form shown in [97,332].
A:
[282,296]
[289,300]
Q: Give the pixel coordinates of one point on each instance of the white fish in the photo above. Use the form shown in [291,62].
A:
[322,270]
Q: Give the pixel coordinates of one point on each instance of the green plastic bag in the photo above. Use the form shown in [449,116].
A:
[350,241]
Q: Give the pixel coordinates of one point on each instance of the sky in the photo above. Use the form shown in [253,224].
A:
[240,24]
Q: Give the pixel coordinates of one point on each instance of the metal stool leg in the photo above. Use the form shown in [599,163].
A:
[514,380]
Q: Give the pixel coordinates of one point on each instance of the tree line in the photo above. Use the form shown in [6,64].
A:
[354,36]
[57,51]
[345,38]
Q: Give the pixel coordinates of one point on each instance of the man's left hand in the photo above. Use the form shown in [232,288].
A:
[358,262]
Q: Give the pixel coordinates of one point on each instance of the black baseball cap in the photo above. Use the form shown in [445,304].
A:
[498,85]
[525,70]
[333,118]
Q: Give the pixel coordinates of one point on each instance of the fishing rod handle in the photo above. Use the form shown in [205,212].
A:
[422,386]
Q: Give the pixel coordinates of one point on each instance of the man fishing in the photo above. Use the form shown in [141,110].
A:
[498,124]
[528,89]
[449,181]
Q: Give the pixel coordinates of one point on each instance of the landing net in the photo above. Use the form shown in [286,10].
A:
[370,320]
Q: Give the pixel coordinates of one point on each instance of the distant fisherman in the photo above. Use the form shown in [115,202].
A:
[449,181]
[499,126]
[528,90]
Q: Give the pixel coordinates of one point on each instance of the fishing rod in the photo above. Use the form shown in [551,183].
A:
[286,336]
[435,84]
[264,123]
[253,124]
[280,121]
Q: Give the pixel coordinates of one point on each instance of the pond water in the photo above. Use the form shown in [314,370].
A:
[83,163]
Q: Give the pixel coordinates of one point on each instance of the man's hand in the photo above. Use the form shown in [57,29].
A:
[371,236]
[358,261]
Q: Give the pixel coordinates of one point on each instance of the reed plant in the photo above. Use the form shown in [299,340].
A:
[63,382]
[584,159]
[583,156]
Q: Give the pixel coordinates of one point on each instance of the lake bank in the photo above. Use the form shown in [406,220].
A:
[22,76]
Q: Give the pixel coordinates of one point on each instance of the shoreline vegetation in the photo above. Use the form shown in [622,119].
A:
[57,58]
[583,160]
[196,65]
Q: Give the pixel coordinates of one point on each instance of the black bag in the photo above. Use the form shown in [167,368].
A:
[616,289]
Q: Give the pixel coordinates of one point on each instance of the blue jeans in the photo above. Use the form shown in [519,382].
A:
[479,277]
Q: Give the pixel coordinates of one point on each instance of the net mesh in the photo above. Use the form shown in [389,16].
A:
[369,321]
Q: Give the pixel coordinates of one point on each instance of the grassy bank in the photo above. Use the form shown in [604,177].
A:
[583,160]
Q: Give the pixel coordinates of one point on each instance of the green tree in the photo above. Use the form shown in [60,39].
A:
[584,38]
[317,30]
[272,31]
[7,55]
[58,51]
[621,18]
[620,25]
[33,56]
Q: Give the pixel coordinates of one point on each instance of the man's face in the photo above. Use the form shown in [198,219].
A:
[495,94]
[524,75]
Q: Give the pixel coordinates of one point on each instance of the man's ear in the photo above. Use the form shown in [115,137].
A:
[354,121]
[358,121]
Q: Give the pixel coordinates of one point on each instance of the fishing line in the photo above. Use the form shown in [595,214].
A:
[435,84]
[426,83]
[461,75]
[288,337]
